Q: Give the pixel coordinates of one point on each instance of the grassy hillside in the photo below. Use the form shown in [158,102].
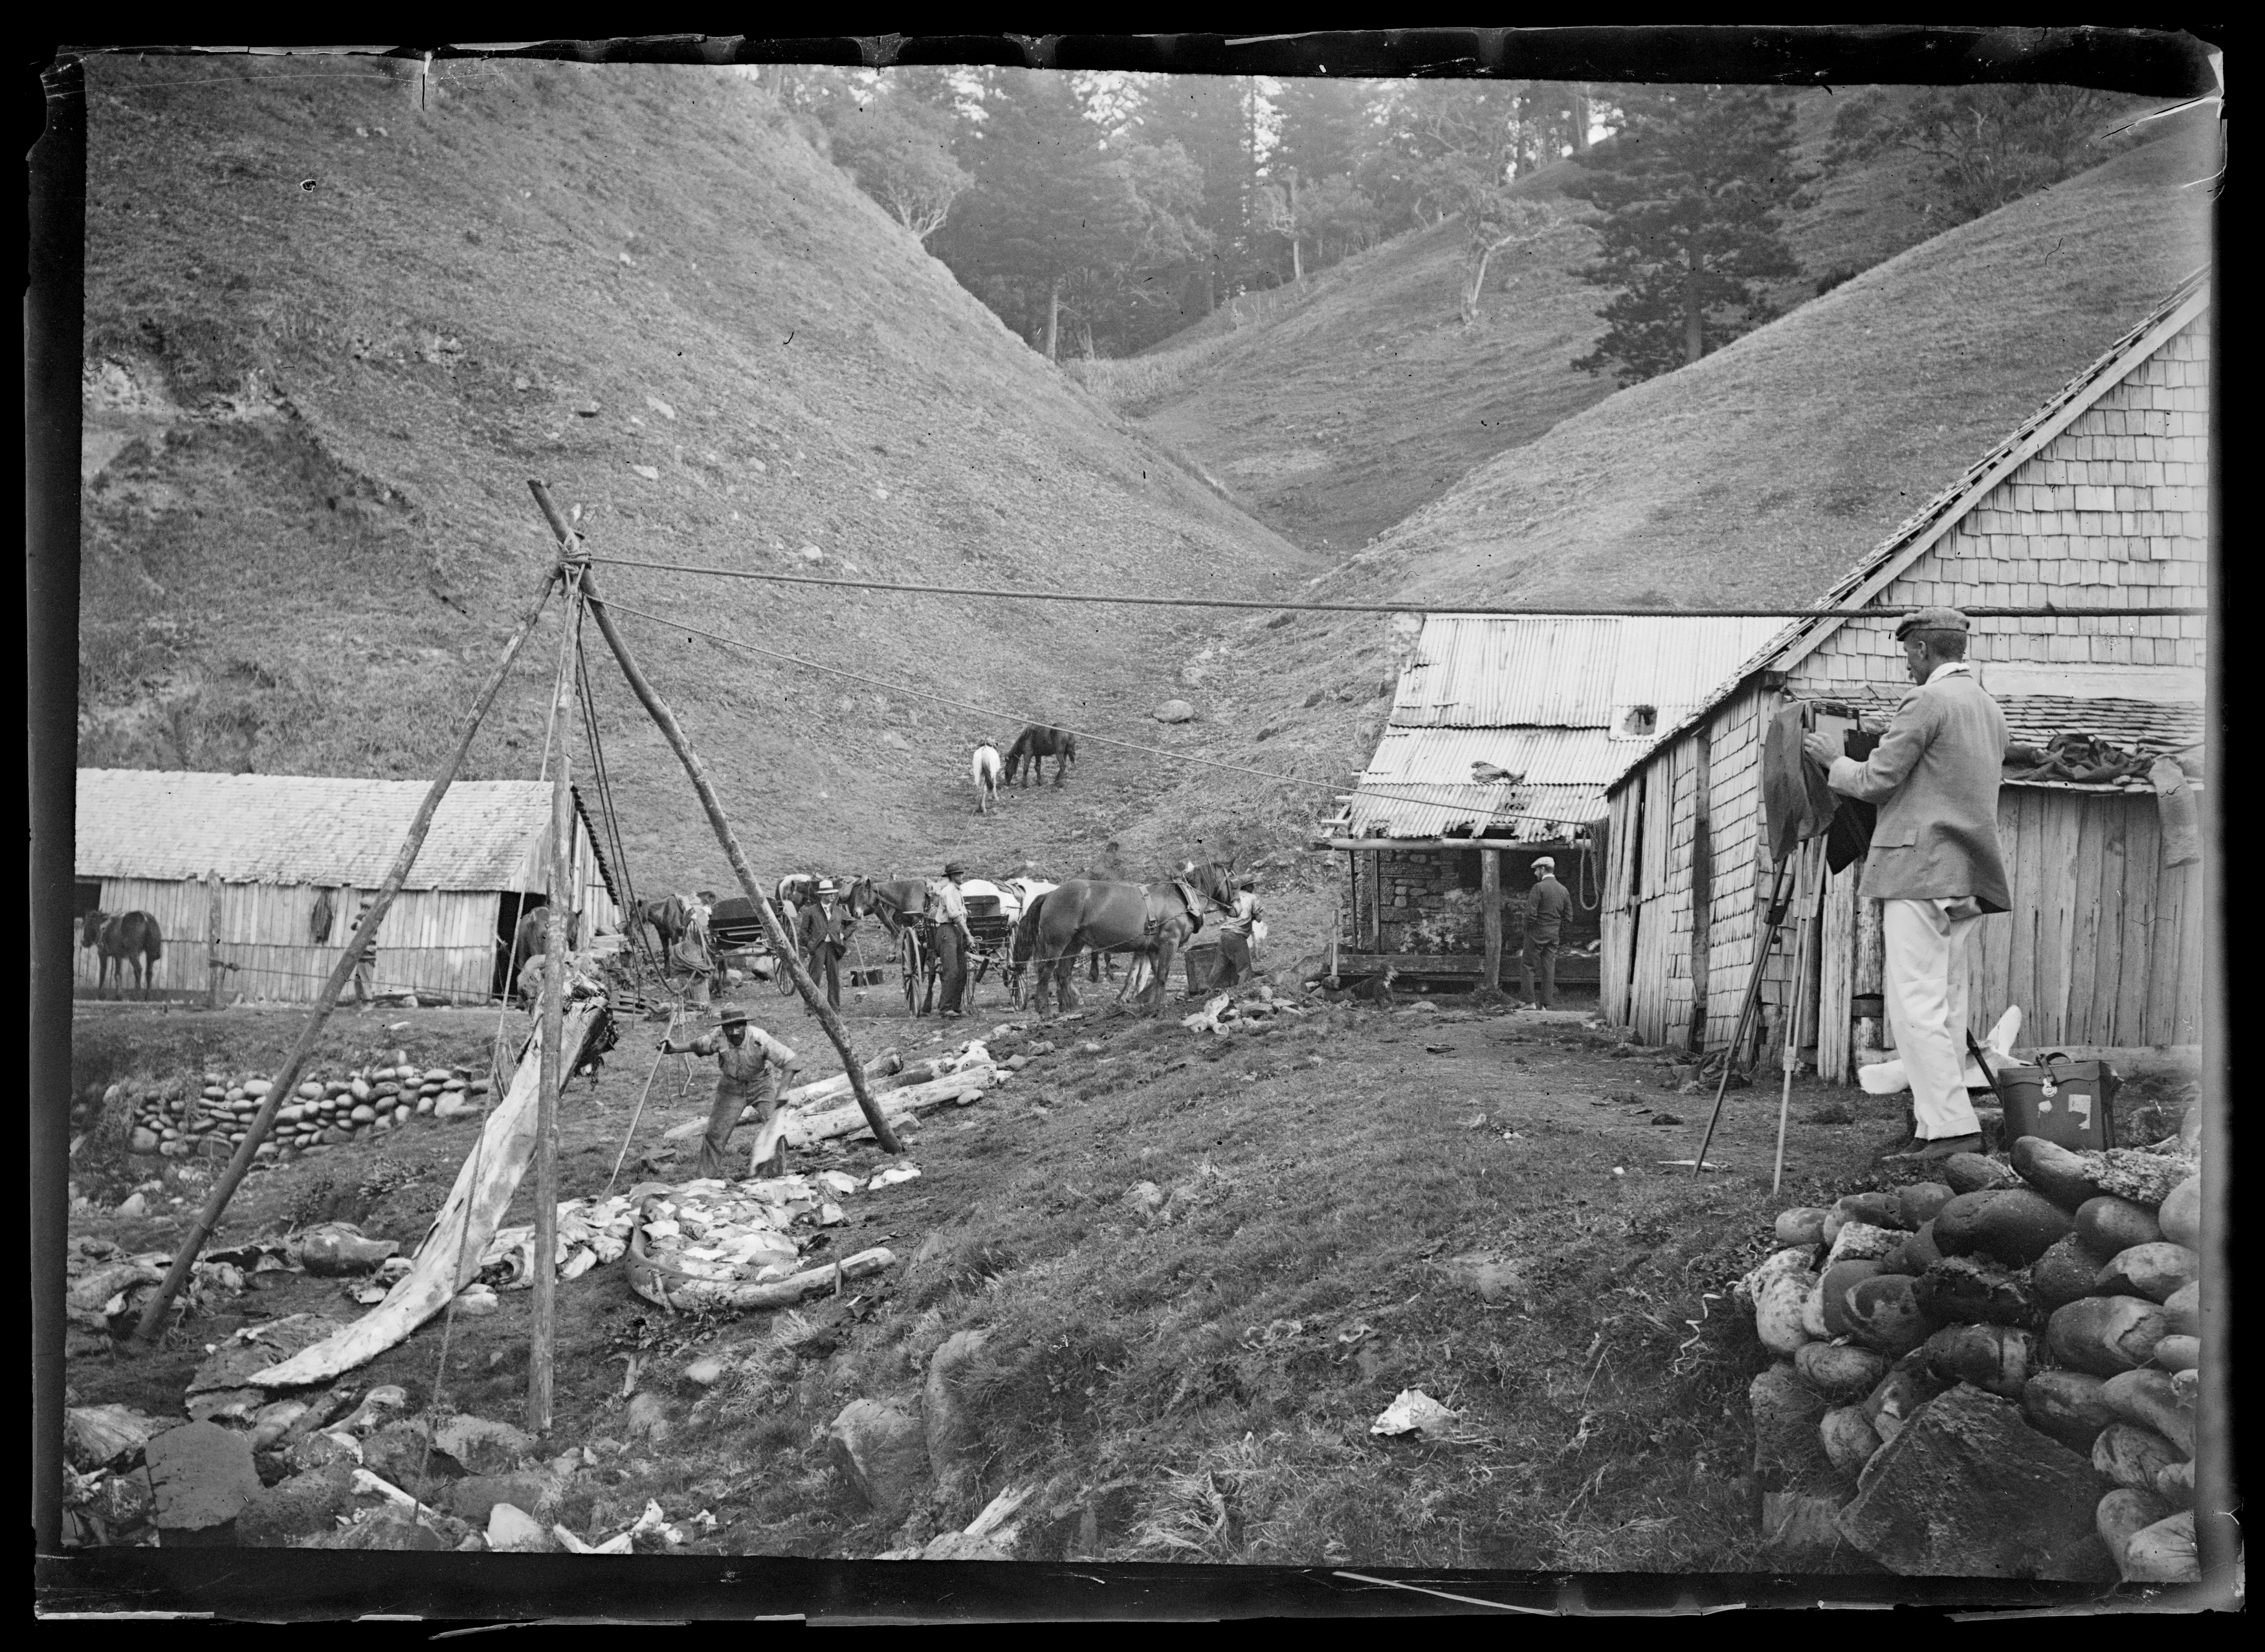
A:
[1355,403]
[330,335]
[1760,475]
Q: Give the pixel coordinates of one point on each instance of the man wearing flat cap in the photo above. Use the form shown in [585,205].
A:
[1934,864]
[1547,905]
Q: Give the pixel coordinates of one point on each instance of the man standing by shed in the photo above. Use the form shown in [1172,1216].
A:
[1934,864]
[752,1067]
[1547,905]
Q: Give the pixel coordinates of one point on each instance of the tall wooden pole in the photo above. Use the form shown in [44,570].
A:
[213,970]
[1490,896]
[774,926]
[557,920]
[286,1081]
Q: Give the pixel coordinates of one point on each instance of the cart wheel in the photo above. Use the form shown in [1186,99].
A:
[783,979]
[913,967]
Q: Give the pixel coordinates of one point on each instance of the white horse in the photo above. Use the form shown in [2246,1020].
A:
[984,770]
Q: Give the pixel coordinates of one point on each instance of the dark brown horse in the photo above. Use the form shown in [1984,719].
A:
[892,901]
[1154,923]
[122,939]
[666,918]
[532,939]
[1034,744]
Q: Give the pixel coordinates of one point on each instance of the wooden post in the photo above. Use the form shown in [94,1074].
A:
[287,1080]
[213,970]
[774,925]
[558,917]
[1871,972]
[1490,898]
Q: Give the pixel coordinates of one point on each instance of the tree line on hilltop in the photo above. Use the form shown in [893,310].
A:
[1099,214]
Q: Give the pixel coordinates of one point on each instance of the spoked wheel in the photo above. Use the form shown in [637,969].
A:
[781,977]
[912,964]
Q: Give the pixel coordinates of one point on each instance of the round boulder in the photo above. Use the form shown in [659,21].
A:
[2107,1224]
[2068,1405]
[1884,1313]
[1840,1373]
[2065,1273]
[2154,1271]
[2181,1214]
[1174,712]
[1918,1201]
[2104,1335]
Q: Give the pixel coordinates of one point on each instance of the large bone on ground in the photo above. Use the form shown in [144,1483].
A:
[467,1221]
[672,1289]
[803,1129]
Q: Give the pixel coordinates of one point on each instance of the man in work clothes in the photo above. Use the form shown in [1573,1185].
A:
[1547,905]
[752,1067]
[1234,935]
[1934,865]
[948,913]
[365,970]
[822,934]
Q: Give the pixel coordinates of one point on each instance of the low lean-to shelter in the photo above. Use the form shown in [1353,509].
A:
[1504,734]
[2100,498]
[237,869]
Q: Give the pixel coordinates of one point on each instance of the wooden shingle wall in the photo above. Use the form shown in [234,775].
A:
[2112,513]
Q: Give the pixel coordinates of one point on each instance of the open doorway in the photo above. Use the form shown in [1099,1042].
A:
[511,906]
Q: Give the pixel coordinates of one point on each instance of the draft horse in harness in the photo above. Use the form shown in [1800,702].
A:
[1034,744]
[123,939]
[1153,922]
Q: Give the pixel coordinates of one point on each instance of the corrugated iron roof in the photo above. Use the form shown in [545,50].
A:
[1419,782]
[309,829]
[1792,640]
[1568,671]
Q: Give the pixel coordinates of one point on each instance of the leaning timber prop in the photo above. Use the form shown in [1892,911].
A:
[1780,898]
[286,1082]
[672,731]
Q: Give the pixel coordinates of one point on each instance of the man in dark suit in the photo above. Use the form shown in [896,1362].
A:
[1935,866]
[822,937]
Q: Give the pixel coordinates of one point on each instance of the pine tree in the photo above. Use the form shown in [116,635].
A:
[1692,186]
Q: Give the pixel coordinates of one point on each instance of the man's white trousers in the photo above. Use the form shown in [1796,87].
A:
[1929,956]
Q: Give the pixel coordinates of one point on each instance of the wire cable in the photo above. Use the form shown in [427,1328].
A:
[1987,612]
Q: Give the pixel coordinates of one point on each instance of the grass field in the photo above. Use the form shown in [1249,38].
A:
[1364,399]
[330,335]
[1189,1376]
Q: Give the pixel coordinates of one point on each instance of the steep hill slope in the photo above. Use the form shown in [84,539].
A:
[331,333]
[1758,476]
[1349,407]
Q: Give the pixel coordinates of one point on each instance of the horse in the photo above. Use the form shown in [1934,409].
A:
[892,901]
[1035,745]
[665,917]
[532,939]
[983,769]
[1154,921]
[122,939]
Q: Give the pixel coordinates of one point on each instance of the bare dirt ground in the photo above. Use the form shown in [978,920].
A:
[1203,1264]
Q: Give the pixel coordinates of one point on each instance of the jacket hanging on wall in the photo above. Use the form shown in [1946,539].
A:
[1799,804]
[319,921]
[1850,839]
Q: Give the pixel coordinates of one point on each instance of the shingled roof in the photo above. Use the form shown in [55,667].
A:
[487,835]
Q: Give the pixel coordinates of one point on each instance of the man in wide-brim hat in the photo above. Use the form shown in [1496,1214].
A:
[751,1068]
[1934,867]
[948,913]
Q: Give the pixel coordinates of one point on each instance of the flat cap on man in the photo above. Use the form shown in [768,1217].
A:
[1931,620]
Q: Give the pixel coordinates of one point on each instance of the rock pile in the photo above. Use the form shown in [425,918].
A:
[176,1118]
[1989,1375]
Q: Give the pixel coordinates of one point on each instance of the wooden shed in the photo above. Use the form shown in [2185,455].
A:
[1503,733]
[235,869]
[2100,497]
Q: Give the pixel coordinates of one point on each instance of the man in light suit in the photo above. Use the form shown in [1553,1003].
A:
[1934,864]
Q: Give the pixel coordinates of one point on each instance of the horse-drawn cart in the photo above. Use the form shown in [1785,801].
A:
[735,934]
